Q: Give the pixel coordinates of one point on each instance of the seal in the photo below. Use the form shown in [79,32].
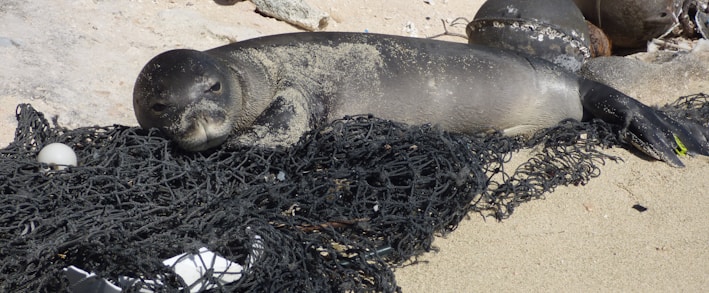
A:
[528,27]
[565,38]
[268,91]
[632,23]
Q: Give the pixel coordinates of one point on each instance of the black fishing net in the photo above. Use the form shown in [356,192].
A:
[333,213]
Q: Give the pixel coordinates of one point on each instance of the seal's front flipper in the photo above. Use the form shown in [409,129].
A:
[282,124]
[646,128]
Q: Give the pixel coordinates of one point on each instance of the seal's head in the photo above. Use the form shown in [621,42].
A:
[187,95]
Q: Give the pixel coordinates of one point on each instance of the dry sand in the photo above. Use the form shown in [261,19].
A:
[78,59]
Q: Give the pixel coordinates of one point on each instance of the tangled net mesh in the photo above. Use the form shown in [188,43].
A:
[335,212]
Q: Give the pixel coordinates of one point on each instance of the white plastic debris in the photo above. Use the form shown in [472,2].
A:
[81,281]
[192,268]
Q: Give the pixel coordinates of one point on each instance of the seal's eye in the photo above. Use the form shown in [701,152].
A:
[157,107]
[216,87]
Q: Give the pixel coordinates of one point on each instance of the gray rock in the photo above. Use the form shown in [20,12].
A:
[295,12]
[650,76]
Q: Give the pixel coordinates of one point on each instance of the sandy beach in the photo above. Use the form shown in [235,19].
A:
[78,60]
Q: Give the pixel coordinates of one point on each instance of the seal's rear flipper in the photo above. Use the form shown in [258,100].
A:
[646,128]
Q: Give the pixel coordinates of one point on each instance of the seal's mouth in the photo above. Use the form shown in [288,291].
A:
[201,126]
[203,134]
[201,129]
